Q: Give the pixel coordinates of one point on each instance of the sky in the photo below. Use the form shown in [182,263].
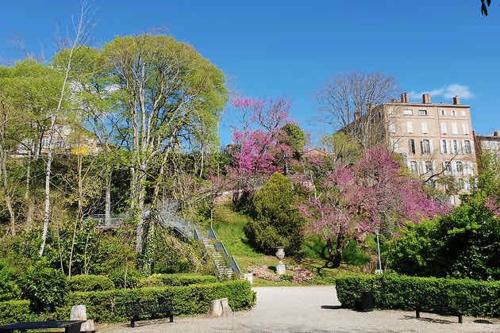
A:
[278,48]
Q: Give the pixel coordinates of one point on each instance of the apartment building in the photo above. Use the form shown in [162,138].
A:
[488,143]
[434,139]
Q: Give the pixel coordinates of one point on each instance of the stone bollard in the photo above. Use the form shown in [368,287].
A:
[220,307]
[79,312]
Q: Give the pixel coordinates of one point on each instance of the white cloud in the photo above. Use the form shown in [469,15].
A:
[447,91]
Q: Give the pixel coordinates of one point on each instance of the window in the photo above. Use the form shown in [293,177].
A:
[465,128]
[407,112]
[392,128]
[409,126]
[444,148]
[422,112]
[425,146]
[428,167]
[444,128]
[414,167]
[447,167]
[411,146]
[443,112]
[455,147]
[454,128]
[425,129]
[466,185]
[467,146]
[45,142]
[460,167]
[453,113]
[460,147]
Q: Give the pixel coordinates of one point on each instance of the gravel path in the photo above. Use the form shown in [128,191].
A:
[310,309]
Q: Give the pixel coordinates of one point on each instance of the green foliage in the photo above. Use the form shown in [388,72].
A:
[45,287]
[354,255]
[294,137]
[447,296]
[347,149]
[127,277]
[90,283]
[153,302]
[163,280]
[277,221]
[489,174]
[9,289]
[462,244]
[15,311]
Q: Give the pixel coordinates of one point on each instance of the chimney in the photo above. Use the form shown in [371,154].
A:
[357,115]
[426,99]
[404,97]
[456,100]
[495,133]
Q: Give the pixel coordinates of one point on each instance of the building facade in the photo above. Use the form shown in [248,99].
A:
[434,139]
[488,143]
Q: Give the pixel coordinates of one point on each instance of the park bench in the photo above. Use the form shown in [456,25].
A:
[445,312]
[70,326]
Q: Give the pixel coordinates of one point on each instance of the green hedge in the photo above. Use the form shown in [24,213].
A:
[162,280]
[90,283]
[15,311]
[120,304]
[468,297]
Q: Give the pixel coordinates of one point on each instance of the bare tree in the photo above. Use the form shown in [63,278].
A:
[350,102]
[79,35]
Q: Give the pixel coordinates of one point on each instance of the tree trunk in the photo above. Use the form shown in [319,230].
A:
[27,194]
[335,252]
[48,171]
[107,203]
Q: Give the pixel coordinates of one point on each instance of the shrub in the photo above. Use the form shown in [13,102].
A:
[127,277]
[391,291]
[90,283]
[121,304]
[45,287]
[277,221]
[162,280]
[14,311]
[463,244]
[8,287]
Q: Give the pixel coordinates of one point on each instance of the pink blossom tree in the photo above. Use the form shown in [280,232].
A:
[256,146]
[370,196]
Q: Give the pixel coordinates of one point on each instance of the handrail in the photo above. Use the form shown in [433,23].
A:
[227,257]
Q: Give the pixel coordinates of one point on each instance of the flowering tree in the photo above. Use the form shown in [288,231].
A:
[371,195]
[257,147]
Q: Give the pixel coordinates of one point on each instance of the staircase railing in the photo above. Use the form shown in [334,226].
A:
[219,246]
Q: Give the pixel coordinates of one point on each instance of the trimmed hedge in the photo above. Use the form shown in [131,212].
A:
[121,304]
[15,311]
[90,283]
[162,280]
[439,295]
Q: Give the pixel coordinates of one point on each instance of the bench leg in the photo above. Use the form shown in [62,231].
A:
[132,322]
[171,318]
[73,329]
[417,313]
[460,319]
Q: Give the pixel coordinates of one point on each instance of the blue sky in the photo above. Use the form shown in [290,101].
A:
[290,48]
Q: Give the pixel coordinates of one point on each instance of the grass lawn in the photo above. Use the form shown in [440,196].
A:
[229,226]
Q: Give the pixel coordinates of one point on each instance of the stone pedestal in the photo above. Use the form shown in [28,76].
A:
[248,277]
[280,268]
[79,312]
[220,307]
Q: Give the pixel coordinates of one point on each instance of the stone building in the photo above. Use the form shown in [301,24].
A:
[488,143]
[434,139]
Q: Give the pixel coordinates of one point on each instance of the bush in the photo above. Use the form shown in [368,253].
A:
[90,283]
[45,287]
[121,304]
[127,277]
[9,289]
[452,296]
[15,311]
[463,244]
[162,280]
[277,221]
